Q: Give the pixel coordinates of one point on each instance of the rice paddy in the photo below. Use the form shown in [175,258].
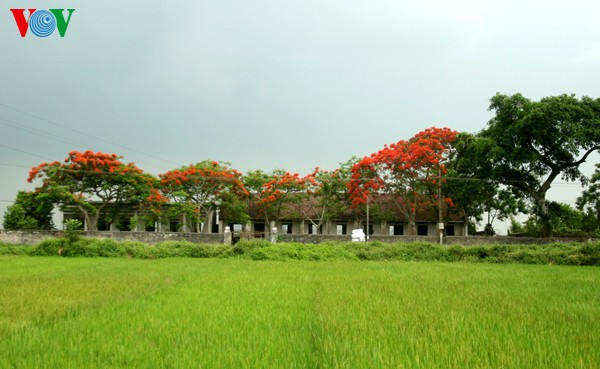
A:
[231,313]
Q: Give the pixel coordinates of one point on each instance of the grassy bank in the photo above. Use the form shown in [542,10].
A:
[227,313]
[557,254]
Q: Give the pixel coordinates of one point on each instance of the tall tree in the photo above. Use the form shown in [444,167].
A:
[90,181]
[528,144]
[323,196]
[406,172]
[478,196]
[277,191]
[202,187]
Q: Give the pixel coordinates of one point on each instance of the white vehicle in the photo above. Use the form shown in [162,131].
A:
[358,235]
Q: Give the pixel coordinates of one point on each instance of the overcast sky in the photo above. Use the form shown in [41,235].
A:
[276,84]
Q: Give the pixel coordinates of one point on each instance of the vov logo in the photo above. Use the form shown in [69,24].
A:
[42,23]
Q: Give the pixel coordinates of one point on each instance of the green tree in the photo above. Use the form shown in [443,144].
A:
[589,203]
[15,218]
[528,144]
[31,210]
[566,220]
[478,197]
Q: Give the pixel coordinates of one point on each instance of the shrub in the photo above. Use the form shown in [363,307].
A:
[246,246]
[589,254]
[10,249]
[559,254]
[73,229]
[50,247]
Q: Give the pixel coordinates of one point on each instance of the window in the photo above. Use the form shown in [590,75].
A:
[286,228]
[259,230]
[341,229]
[124,225]
[396,230]
[103,225]
[174,226]
[450,230]
[422,229]
[215,222]
[236,232]
[370,229]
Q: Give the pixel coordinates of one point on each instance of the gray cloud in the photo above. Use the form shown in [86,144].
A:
[268,84]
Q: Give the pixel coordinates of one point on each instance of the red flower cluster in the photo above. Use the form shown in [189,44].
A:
[400,168]
[202,180]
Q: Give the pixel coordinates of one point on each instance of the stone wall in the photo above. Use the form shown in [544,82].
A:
[454,240]
[27,237]
[32,237]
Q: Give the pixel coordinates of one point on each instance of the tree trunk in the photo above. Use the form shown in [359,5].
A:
[542,212]
[412,227]
[198,221]
[91,220]
[208,223]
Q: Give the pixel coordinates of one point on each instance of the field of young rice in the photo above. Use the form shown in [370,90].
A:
[231,313]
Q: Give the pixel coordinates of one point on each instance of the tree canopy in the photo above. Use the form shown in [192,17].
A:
[528,144]
[91,181]
[201,187]
[408,172]
[31,210]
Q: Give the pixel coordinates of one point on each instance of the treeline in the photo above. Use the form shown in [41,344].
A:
[504,170]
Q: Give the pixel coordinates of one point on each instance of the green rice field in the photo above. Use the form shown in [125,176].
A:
[232,313]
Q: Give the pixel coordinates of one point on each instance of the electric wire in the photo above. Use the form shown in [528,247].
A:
[44,134]
[34,131]
[23,151]
[86,134]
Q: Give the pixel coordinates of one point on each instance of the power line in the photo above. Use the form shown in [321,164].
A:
[85,133]
[38,132]
[14,165]
[23,151]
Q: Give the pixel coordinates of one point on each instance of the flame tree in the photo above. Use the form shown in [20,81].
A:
[323,196]
[202,187]
[316,197]
[406,173]
[275,191]
[90,181]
